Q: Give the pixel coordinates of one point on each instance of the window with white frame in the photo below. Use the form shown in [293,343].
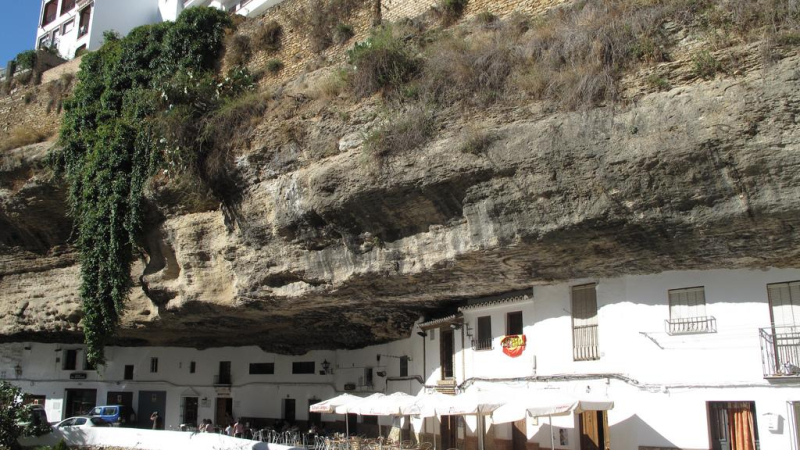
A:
[584,323]
[687,312]
[785,301]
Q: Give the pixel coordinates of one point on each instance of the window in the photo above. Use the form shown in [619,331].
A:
[128,372]
[404,366]
[514,323]
[687,312]
[80,421]
[45,40]
[432,333]
[67,5]
[192,367]
[49,12]
[784,300]
[85,17]
[68,26]
[303,367]
[153,365]
[584,323]
[368,381]
[70,359]
[484,341]
[262,369]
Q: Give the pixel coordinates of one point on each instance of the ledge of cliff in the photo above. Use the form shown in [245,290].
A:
[326,250]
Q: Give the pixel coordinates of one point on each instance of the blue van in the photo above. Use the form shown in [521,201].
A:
[120,415]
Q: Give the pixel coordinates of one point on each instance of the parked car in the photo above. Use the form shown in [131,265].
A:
[82,422]
[115,414]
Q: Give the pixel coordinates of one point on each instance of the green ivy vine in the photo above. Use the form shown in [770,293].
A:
[113,140]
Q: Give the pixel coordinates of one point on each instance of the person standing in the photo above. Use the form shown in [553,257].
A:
[155,418]
[238,429]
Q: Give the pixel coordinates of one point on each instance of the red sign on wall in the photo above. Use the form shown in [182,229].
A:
[513,344]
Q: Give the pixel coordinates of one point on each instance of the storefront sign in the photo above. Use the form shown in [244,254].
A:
[77,376]
[513,345]
[223,391]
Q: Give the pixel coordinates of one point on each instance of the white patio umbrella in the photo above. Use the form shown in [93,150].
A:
[329,406]
[390,405]
[477,403]
[549,403]
[355,407]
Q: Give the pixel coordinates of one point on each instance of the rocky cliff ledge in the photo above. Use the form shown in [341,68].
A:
[333,251]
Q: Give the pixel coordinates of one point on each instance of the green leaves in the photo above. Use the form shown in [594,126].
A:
[111,146]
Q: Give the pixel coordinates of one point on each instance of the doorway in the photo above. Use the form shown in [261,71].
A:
[447,354]
[352,423]
[449,430]
[721,419]
[519,435]
[314,418]
[189,411]
[223,415]
[594,430]
[79,402]
[150,402]
[289,410]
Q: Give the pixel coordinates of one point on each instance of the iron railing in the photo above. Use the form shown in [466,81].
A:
[780,351]
[691,325]
[222,380]
[482,344]
[584,343]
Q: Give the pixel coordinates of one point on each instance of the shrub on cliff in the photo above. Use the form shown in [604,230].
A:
[383,61]
[111,145]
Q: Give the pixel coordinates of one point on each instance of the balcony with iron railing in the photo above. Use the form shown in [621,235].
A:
[691,325]
[482,344]
[780,351]
[222,380]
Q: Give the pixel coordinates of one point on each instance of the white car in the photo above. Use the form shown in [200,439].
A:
[82,422]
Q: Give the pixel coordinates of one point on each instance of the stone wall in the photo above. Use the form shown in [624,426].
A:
[70,67]
[28,107]
[296,52]
[39,106]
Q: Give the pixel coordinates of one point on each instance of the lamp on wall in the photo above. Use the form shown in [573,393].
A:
[18,370]
[326,367]
[422,333]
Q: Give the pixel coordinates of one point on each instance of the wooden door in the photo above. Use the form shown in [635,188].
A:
[223,412]
[594,431]
[519,435]
[449,431]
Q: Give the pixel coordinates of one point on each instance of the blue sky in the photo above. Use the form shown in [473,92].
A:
[18,22]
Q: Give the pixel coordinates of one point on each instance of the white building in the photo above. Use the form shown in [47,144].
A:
[71,25]
[679,353]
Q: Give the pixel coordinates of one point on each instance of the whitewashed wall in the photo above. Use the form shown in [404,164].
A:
[670,379]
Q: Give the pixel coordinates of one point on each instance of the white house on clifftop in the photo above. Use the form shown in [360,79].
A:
[72,25]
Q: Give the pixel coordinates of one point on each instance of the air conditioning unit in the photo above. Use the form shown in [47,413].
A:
[350,387]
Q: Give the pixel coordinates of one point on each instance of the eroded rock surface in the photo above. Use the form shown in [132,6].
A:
[342,251]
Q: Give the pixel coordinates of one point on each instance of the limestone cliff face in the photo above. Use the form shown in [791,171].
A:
[334,250]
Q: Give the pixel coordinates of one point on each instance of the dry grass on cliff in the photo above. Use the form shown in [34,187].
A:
[22,136]
[400,132]
[574,56]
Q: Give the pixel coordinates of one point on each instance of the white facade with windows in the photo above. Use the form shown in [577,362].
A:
[670,389]
[70,25]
